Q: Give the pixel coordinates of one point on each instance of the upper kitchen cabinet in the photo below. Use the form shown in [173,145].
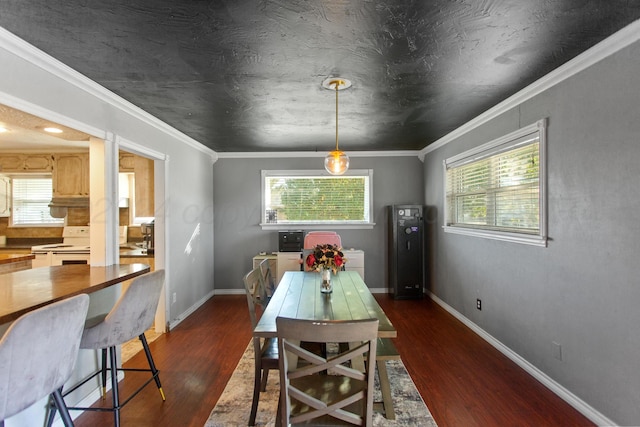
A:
[15,162]
[71,175]
[126,162]
[144,191]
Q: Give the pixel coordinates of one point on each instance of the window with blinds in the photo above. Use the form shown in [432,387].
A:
[30,201]
[314,197]
[497,190]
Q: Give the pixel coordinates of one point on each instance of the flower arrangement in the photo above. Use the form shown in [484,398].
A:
[326,256]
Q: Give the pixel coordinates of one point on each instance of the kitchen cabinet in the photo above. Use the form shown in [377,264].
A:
[126,162]
[5,196]
[16,162]
[144,194]
[71,175]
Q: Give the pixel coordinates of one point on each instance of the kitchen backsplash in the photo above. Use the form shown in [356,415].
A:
[75,216]
[31,232]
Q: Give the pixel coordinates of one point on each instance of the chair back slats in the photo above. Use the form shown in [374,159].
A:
[268,278]
[342,392]
[256,294]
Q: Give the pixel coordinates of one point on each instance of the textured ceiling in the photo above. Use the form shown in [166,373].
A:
[246,75]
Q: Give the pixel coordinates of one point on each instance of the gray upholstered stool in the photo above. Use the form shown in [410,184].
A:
[38,353]
[129,318]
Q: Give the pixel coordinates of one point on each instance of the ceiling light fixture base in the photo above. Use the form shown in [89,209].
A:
[331,82]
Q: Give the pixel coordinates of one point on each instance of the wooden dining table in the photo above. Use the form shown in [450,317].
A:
[26,290]
[298,296]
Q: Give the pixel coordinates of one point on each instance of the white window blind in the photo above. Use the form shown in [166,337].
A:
[498,188]
[309,197]
[30,201]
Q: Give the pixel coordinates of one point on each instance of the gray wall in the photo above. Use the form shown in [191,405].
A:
[238,237]
[189,186]
[582,291]
[189,192]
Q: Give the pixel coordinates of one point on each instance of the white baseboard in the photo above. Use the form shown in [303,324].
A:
[241,291]
[229,292]
[175,322]
[566,395]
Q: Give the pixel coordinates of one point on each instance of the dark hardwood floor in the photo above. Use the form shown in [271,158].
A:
[463,380]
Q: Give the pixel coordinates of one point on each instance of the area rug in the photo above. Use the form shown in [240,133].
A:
[234,405]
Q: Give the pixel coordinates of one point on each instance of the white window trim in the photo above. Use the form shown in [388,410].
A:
[539,239]
[11,224]
[311,225]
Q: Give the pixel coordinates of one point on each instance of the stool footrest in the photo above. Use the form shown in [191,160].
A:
[121,405]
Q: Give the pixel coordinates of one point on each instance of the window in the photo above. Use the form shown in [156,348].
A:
[295,198]
[30,201]
[497,190]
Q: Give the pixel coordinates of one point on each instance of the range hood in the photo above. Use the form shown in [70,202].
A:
[59,205]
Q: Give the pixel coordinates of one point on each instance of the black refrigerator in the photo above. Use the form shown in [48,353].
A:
[406,251]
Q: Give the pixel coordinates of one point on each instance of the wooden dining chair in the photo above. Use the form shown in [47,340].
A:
[343,394]
[265,350]
[268,278]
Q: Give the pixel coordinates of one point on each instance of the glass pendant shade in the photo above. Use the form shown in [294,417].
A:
[336,162]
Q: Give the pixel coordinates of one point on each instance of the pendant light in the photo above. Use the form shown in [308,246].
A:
[336,162]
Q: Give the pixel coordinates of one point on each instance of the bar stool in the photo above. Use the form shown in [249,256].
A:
[38,353]
[130,317]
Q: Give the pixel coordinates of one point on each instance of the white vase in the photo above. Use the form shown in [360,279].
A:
[325,286]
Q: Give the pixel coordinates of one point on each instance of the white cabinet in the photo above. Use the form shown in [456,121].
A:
[288,261]
[355,261]
[291,261]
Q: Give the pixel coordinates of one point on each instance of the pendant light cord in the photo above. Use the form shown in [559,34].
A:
[337,85]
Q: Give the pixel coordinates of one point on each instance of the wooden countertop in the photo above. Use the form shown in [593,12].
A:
[9,258]
[26,290]
[133,252]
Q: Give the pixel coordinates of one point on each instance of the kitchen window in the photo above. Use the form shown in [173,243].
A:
[30,200]
[497,190]
[315,199]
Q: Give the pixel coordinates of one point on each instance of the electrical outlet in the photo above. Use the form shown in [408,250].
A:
[479,304]
[174,297]
[557,350]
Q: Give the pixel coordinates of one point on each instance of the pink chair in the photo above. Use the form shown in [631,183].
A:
[314,238]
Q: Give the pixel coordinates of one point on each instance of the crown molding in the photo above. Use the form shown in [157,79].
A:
[299,154]
[20,48]
[612,44]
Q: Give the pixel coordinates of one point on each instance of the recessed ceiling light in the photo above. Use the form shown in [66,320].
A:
[53,130]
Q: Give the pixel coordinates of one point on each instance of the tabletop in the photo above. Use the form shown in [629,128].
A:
[26,290]
[298,296]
